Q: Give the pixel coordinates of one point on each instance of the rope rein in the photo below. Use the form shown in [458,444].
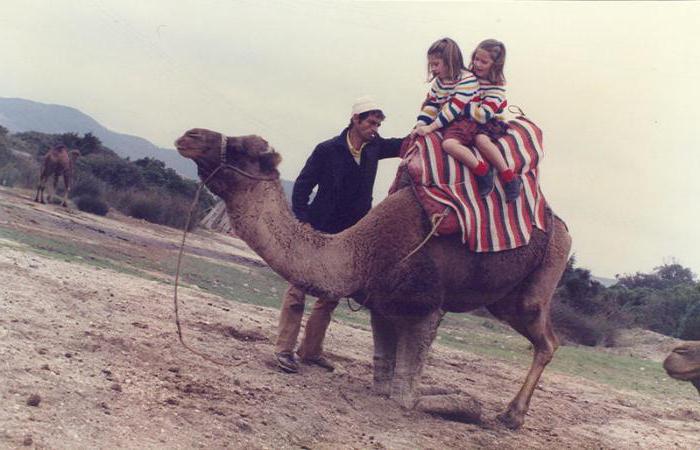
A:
[222,165]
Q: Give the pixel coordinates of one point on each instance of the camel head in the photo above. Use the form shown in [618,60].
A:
[242,157]
[683,363]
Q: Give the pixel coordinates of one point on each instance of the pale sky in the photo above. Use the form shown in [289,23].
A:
[614,86]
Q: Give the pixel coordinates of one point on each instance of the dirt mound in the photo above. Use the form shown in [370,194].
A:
[643,344]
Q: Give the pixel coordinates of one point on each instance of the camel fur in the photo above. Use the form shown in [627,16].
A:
[58,161]
[683,363]
[406,298]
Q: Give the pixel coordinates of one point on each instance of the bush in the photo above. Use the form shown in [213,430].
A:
[690,324]
[574,326]
[88,186]
[157,207]
[94,205]
[145,208]
[20,172]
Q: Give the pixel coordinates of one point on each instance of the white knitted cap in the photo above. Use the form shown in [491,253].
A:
[364,104]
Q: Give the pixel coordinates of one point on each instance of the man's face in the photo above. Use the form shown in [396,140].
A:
[367,129]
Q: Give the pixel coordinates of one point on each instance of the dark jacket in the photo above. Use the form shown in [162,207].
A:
[344,192]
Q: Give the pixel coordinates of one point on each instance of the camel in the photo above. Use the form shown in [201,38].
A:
[683,363]
[58,161]
[406,297]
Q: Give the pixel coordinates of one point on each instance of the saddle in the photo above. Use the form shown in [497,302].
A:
[447,190]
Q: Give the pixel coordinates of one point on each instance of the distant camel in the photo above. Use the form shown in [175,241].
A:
[683,363]
[57,162]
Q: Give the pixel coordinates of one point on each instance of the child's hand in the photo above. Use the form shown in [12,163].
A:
[421,130]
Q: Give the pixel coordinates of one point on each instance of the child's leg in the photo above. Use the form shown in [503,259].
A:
[490,152]
[511,183]
[484,176]
[464,155]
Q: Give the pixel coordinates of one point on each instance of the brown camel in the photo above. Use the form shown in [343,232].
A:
[58,161]
[407,298]
[683,363]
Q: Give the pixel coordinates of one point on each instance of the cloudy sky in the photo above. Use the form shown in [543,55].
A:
[613,85]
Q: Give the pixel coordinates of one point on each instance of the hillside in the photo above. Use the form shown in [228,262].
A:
[19,115]
[88,337]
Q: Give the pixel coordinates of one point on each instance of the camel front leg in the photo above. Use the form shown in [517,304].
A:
[414,339]
[384,361]
[527,310]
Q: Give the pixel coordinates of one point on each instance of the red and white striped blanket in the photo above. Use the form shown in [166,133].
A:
[487,224]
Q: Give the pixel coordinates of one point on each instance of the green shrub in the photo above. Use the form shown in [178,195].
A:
[690,324]
[94,205]
[145,208]
[19,172]
[574,326]
[88,186]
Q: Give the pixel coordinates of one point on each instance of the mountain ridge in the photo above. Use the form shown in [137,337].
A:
[20,115]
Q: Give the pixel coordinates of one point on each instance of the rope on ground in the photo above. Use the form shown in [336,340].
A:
[177,281]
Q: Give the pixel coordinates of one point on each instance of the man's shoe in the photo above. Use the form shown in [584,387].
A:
[320,361]
[513,188]
[484,183]
[286,362]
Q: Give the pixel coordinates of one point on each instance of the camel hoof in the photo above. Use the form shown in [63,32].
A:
[382,388]
[511,420]
[406,399]
[457,408]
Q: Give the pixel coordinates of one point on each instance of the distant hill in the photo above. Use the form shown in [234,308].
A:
[19,115]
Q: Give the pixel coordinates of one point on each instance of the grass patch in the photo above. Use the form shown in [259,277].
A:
[65,251]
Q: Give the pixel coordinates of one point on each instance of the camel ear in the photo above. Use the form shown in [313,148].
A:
[269,161]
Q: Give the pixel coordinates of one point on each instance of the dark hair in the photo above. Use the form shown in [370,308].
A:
[366,114]
[497,51]
[447,50]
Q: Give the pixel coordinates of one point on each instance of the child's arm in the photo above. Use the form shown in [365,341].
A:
[430,107]
[443,105]
[492,102]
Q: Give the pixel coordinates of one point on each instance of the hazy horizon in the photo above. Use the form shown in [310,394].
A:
[610,84]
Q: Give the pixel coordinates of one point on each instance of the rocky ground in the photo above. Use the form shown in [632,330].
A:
[89,358]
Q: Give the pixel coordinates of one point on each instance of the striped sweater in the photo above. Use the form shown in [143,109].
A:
[446,101]
[490,102]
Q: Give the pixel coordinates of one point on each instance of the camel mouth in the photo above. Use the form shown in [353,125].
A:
[680,369]
[183,145]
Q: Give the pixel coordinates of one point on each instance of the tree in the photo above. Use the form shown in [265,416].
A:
[89,144]
[663,277]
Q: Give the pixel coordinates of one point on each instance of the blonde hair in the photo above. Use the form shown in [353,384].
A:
[497,51]
[447,50]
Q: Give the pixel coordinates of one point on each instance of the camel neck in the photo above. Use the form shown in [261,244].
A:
[261,216]
[331,265]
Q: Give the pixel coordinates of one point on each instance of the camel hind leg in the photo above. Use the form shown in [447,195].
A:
[40,188]
[527,310]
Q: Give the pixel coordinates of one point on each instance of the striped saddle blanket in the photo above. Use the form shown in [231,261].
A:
[488,224]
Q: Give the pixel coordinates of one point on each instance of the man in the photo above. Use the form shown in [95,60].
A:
[344,169]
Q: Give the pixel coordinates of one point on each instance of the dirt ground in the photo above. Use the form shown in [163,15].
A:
[89,358]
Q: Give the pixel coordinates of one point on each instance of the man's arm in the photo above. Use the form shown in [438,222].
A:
[304,184]
[389,148]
